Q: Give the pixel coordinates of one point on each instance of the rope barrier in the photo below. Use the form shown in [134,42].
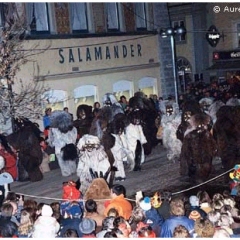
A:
[129,199]
[210,180]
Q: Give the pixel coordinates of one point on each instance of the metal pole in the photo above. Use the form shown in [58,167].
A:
[174,68]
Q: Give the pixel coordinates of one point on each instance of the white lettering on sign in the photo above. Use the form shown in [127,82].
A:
[214,36]
[231,9]
[235,54]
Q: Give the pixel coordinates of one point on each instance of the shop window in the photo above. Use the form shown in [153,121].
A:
[38,17]
[141,16]
[85,95]
[148,85]
[180,23]
[123,87]
[56,99]
[79,19]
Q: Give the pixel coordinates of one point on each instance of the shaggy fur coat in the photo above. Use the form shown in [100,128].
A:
[198,149]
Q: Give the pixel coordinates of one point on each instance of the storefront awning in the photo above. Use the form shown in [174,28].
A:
[225,65]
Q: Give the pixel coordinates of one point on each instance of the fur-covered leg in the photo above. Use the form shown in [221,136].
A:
[138,157]
[65,170]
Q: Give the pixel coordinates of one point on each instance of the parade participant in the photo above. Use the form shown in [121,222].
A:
[170,121]
[84,120]
[198,149]
[91,157]
[135,139]
[63,136]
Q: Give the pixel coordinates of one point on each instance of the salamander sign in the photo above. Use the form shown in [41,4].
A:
[98,53]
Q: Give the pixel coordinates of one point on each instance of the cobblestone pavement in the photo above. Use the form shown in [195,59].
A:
[157,174]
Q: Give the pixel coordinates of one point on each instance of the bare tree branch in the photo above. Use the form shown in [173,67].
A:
[26,101]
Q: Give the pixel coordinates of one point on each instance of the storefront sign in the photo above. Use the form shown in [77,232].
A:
[213,36]
[89,54]
[226,55]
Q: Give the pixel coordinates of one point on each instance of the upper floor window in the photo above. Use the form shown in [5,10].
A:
[238,34]
[180,23]
[78,13]
[37,16]
[112,10]
[140,16]
[1,15]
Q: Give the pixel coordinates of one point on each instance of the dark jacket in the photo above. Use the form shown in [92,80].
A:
[69,223]
[154,219]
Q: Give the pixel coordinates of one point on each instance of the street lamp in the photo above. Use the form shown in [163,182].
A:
[171,32]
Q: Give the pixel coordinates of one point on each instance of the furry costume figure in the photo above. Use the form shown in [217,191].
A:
[136,139]
[226,131]
[213,108]
[148,116]
[122,155]
[100,191]
[189,108]
[29,154]
[111,107]
[62,132]
[19,123]
[205,103]
[198,149]
[84,119]
[233,101]
[170,122]
[92,159]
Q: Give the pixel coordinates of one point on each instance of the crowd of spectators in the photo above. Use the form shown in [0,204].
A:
[164,216]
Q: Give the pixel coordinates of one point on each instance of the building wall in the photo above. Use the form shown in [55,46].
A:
[225,21]
[71,63]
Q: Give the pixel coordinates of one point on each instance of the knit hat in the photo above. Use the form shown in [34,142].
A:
[87,225]
[47,211]
[75,211]
[6,178]
[145,204]
[194,201]
[194,215]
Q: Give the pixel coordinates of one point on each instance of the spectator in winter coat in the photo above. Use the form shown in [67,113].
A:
[152,217]
[72,221]
[177,218]
[46,226]
[119,202]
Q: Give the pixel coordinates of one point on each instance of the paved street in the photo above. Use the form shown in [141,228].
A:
[157,174]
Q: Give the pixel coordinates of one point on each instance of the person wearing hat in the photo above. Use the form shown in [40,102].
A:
[46,226]
[88,226]
[73,214]
[195,211]
[152,217]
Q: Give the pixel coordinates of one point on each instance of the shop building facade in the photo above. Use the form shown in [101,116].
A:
[83,50]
